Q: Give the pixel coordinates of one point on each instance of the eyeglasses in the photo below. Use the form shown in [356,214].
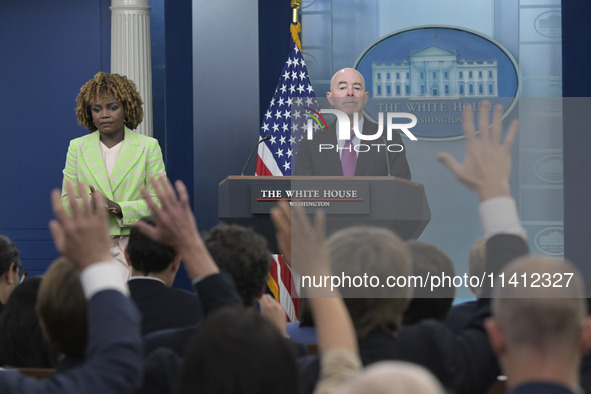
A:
[22,273]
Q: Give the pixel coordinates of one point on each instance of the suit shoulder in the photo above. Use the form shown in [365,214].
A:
[147,138]
[183,292]
[369,123]
[83,139]
[182,295]
[143,140]
[321,136]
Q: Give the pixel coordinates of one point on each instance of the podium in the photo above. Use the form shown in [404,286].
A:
[397,204]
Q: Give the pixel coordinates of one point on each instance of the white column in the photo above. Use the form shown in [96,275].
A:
[131,53]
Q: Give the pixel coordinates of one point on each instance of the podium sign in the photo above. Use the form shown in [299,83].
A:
[332,196]
[390,202]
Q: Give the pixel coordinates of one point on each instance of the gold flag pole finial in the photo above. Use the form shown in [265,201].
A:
[295,27]
[295,4]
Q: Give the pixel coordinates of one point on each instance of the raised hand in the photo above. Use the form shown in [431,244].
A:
[487,162]
[309,256]
[176,226]
[300,243]
[82,237]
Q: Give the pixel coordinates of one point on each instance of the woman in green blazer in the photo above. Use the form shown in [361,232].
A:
[113,159]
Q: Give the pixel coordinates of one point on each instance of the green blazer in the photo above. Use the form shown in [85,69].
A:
[139,158]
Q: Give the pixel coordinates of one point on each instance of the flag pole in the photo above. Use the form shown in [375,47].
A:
[295,27]
[295,4]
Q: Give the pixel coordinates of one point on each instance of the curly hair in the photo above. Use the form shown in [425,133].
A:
[103,84]
[243,253]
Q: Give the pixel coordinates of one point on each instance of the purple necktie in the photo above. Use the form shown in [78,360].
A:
[349,157]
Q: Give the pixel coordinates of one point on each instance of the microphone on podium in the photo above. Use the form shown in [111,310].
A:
[265,138]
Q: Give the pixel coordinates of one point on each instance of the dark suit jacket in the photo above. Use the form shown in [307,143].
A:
[464,361]
[540,388]
[113,354]
[164,307]
[165,348]
[214,291]
[309,161]
[459,315]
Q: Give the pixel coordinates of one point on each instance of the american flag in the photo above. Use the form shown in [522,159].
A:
[285,122]
[284,119]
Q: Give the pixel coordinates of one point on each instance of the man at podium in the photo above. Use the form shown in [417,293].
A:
[325,154]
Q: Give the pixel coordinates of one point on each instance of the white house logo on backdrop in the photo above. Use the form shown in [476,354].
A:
[550,241]
[549,168]
[549,24]
[433,72]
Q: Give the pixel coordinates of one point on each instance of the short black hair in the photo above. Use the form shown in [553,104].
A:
[244,254]
[147,255]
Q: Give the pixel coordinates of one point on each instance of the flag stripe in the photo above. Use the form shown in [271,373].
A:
[268,163]
[286,297]
[284,121]
[287,280]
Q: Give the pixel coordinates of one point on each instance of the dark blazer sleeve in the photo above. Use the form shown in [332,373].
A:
[113,354]
[398,164]
[310,161]
[501,249]
[303,160]
[216,291]
[473,357]
[375,160]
